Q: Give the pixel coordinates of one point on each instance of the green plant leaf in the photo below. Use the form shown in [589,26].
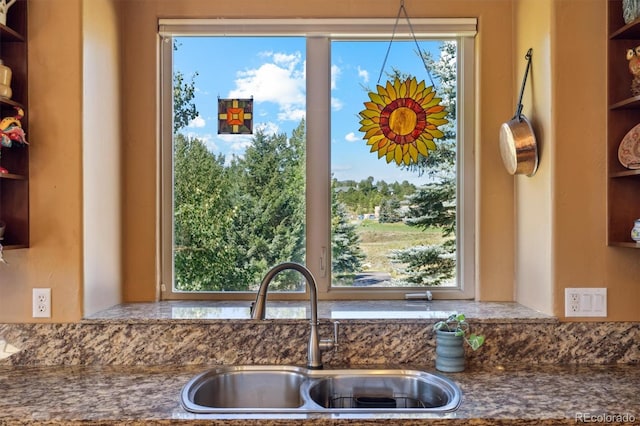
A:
[475,341]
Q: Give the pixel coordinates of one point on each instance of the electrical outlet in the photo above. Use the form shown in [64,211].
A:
[41,303]
[585,302]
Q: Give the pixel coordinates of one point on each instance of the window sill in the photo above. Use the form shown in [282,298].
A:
[327,310]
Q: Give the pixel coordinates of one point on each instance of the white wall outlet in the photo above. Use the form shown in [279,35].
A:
[585,302]
[42,303]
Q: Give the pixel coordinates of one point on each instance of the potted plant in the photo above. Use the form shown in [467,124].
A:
[450,336]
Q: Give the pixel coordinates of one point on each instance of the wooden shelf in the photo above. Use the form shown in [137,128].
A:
[625,244]
[623,185]
[629,103]
[14,186]
[9,34]
[12,176]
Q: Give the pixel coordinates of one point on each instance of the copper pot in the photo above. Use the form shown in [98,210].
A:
[518,145]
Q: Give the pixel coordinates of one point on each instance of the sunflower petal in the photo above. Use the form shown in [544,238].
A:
[413,85]
[367,113]
[367,127]
[382,91]
[428,97]
[437,121]
[376,98]
[398,154]
[391,91]
[435,109]
[372,105]
[442,114]
[422,147]
[413,153]
[436,133]
[373,132]
[396,87]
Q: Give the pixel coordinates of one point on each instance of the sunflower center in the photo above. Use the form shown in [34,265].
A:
[403,120]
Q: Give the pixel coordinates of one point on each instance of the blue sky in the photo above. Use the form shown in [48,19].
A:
[272,71]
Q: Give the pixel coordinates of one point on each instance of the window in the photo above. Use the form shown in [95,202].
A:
[304,186]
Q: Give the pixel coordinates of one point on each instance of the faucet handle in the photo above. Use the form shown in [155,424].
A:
[326,344]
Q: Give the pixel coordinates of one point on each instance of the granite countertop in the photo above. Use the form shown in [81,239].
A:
[540,395]
[128,364]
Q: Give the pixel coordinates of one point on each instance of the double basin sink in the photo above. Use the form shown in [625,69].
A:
[291,389]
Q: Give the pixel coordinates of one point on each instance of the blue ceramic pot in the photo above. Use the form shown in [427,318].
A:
[449,352]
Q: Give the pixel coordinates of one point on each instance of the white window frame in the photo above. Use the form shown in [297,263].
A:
[319,33]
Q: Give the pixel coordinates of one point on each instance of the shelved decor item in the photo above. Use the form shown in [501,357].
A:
[5,81]
[4,8]
[629,149]
[630,10]
[11,132]
[635,231]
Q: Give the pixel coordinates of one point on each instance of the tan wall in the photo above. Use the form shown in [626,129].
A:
[566,197]
[55,135]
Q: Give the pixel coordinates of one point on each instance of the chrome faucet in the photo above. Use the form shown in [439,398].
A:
[314,356]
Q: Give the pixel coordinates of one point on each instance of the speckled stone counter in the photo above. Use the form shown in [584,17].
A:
[540,395]
[126,365]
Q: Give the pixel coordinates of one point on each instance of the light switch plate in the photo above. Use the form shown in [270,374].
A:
[585,302]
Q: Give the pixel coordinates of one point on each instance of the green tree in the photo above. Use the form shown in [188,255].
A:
[184,110]
[271,205]
[205,253]
[390,211]
[346,255]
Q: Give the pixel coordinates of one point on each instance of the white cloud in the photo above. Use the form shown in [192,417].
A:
[335,75]
[336,104]
[363,74]
[206,138]
[281,81]
[268,128]
[352,137]
[235,143]
[197,122]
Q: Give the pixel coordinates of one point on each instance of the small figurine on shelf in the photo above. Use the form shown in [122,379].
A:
[4,8]
[633,56]
[11,131]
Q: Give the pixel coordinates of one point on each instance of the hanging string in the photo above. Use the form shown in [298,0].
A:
[420,52]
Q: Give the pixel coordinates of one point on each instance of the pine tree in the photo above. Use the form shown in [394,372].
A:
[346,255]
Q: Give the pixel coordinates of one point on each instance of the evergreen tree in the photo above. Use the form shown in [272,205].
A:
[271,204]
[346,255]
[390,211]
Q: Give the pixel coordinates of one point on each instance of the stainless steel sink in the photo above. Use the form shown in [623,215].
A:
[384,390]
[251,387]
[290,389]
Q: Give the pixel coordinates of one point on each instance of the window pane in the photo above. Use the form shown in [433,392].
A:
[392,225]
[238,202]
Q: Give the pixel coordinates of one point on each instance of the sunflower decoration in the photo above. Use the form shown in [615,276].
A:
[401,120]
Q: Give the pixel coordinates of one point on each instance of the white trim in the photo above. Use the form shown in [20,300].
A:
[319,35]
[333,28]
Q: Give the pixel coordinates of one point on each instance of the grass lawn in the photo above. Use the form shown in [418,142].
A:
[378,239]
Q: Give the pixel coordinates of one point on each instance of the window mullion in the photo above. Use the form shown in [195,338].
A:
[318,196]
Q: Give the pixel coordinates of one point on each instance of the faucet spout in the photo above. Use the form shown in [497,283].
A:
[314,357]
